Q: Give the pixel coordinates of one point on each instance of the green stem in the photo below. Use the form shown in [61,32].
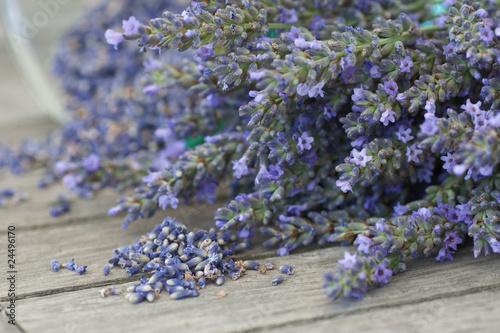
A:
[281,26]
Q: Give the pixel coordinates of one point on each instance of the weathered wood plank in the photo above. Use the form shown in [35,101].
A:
[5,327]
[252,303]
[479,312]
[34,212]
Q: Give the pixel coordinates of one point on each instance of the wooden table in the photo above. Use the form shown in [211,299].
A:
[458,296]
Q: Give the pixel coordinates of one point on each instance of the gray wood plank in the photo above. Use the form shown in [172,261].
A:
[34,212]
[5,327]
[253,304]
[479,312]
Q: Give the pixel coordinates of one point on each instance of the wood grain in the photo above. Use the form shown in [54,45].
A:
[252,304]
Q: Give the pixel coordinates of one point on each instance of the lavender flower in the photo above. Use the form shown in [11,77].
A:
[131,26]
[360,157]
[406,65]
[114,38]
[382,274]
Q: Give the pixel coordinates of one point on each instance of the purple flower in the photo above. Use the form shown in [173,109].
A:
[304,142]
[70,181]
[344,184]
[449,162]
[399,210]
[375,72]
[349,260]
[430,106]
[168,200]
[61,167]
[287,16]
[206,51]
[486,170]
[303,89]
[473,173]
[54,264]
[459,169]
[495,246]
[472,109]
[429,127]
[81,269]
[151,90]
[440,21]
[245,233]
[481,13]
[424,175]
[91,163]
[358,95]
[295,33]
[412,153]
[240,167]
[263,175]
[275,172]
[70,265]
[360,158]
[186,17]
[406,65]
[328,112]
[302,43]
[113,38]
[486,34]
[287,269]
[345,62]
[317,90]
[283,251]
[387,116]
[318,23]
[131,26]
[449,49]
[404,134]
[114,210]
[382,274]
[258,75]
[391,88]
[444,254]
[364,243]
[423,213]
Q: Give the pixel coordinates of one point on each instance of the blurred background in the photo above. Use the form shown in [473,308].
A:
[29,33]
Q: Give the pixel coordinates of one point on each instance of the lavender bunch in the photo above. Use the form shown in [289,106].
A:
[376,129]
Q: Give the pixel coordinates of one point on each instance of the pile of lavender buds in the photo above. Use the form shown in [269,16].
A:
[373,122]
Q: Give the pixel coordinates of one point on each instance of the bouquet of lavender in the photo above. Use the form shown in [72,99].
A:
[356,123]
[368,122]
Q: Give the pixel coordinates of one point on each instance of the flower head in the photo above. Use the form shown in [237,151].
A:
[382,274]
[391,88]
[406,65]
[387,116]
[349,260]
[360,158]
[364,243]
[91,163]
[304,142]
[113,38]
[206,51]
[131,26]
[54,264]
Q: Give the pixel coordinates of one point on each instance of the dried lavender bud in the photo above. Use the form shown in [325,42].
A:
[277,280]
